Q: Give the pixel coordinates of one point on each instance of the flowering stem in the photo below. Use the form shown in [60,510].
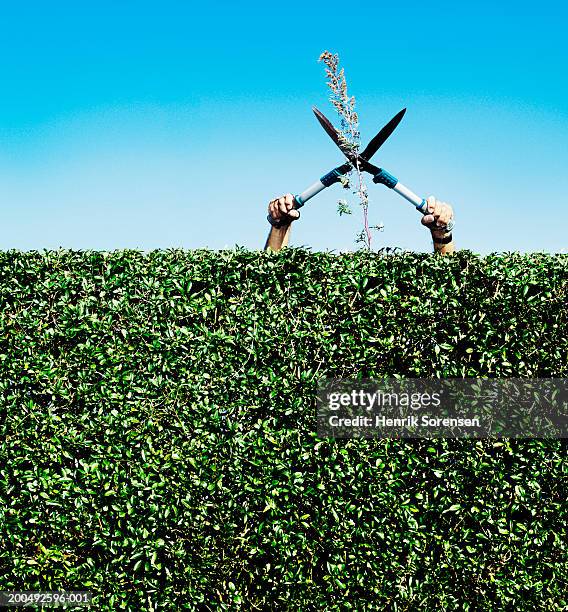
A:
[349,134]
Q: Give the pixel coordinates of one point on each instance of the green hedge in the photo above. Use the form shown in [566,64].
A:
[157,422]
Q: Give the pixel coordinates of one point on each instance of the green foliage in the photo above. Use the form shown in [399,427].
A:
[157,423]
[343,208]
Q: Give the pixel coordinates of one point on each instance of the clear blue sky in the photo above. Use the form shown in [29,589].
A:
[171,124]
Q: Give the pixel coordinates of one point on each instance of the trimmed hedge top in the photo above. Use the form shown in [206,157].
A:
[157,430]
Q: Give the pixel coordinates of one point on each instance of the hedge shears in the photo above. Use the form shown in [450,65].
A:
[360,160]
[380,175]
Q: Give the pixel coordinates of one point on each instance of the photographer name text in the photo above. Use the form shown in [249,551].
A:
[409,421]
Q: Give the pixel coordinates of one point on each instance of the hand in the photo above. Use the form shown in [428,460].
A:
[438,217]
[281,211]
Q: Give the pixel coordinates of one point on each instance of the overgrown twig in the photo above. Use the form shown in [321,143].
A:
[344,105]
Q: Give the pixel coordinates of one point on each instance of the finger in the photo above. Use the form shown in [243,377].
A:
[449,214]
[441,214]
[289,200]
[427,219]
[294,214]
[282,205]
[437,209]
[274,210]
[431,203]
[445,215]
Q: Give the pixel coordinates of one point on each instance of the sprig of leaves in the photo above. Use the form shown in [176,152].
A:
[350,138]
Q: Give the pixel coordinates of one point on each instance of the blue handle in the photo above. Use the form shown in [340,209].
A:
[332,177]
[325,181]
[385,178]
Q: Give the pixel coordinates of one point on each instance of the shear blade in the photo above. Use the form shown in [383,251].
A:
[374,145]
[377,142]
[333,134]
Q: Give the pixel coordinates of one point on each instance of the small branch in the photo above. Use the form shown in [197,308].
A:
[349,135]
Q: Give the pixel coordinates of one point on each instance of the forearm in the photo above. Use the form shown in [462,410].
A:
[278,238]
[443,242]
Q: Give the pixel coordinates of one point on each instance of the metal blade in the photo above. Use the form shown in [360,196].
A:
[353,158]
[334,134]
[376,143]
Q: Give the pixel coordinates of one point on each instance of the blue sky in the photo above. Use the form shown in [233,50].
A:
[171,124]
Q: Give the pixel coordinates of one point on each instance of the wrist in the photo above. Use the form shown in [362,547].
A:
[281,223]
[443,242]
[441,236]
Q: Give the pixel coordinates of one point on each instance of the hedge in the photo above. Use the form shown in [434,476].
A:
[157,431]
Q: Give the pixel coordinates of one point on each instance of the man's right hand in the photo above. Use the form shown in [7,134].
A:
[281,211]
[439,218]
